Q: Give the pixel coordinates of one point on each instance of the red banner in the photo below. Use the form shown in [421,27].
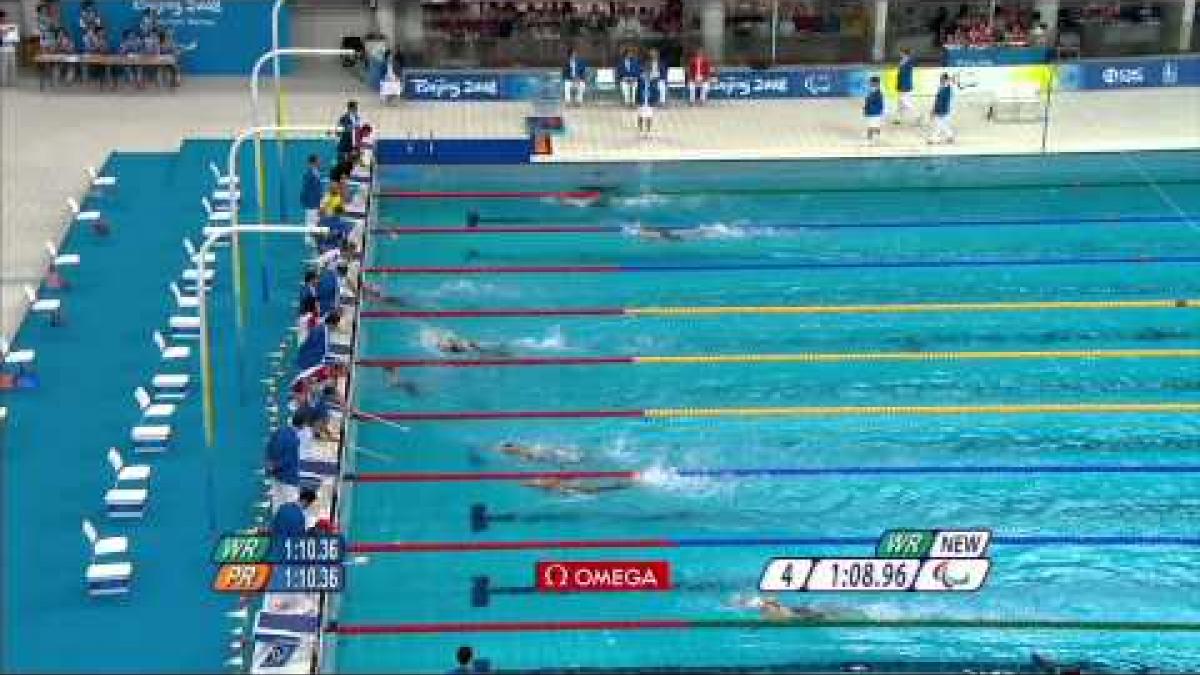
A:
[605,575]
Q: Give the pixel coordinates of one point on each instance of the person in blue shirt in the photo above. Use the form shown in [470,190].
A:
[348,130]
[904,86]
[873,110]
[329,289]
[645,103]
[339,229]
[283,459]
[629,71]
[315,348]
[311,191]
[943,104]
[291,518]
[151,45]
[656,70]
[131,45]
[574,75]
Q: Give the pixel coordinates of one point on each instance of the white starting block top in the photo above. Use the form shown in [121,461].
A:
[157,432]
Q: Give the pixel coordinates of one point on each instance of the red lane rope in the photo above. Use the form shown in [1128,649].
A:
[493,269]
[447,546]
[473,363]
[497,415]
[468,476]
[486,313]
[527,229]
[503,626]
[498,194]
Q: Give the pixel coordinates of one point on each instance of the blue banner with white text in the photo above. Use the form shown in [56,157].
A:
[450,85]
[786,83]
[1130,73]
[214,37]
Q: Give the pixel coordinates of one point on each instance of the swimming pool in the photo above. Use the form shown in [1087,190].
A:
[792,357]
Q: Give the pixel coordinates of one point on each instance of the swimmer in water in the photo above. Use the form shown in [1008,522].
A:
[575,487]
[657,233]
[450,343]
[375,293]
[534,453]
[396,381]
[772,609]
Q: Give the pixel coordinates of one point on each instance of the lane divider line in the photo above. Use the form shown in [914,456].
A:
[816,357]
[901,308]
[771,266]
[363,629]
[784,411]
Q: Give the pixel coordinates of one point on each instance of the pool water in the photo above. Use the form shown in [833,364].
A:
[966,230]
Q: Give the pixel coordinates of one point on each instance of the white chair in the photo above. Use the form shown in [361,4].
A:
[125,473]
[102,546]
[606,79]
[51,306]
[226,196]
[215,216]
[19,358]
[151,411]
[170,352]
[222,180]
[80,215]
[99,181]
[185,327]
[108,578]
[170,386]
[181,300]
[676,78]
[153,438]
[61,259]
[210,258]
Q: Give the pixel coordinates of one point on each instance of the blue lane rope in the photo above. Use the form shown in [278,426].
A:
[912,264]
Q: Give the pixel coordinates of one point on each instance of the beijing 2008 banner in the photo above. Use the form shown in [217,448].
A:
[215,37]
[450,85]
[1130,73]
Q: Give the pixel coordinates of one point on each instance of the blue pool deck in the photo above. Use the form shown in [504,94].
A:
[56,437]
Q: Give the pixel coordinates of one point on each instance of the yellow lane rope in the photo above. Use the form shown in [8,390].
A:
[997,409]
[1189,303]
[924,356]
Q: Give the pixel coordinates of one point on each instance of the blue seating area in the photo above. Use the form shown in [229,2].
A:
[77,401]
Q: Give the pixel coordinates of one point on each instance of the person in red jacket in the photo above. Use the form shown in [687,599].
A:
[700,75]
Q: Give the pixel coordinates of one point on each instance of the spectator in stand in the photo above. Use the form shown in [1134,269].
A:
[700,76]
[574,75]
[89,17]
[151,45]
[168,47]
[93,45]
[656,70]
[629,72]
[148,23]
[130,47]
[67,72]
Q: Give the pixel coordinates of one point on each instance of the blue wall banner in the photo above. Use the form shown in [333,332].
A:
[1130,73]
[785,83]
[450,85]
[216,37]
[973,57]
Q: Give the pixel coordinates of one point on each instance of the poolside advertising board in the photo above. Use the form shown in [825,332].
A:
[744,83]
[215,37]
[479,85]
[1181,71]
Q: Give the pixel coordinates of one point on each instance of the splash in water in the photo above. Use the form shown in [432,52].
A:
[554,341]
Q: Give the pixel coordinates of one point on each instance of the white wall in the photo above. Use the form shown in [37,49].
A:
[322,23]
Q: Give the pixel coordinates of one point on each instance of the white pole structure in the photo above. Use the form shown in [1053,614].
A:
[275,10]
[235,184]
[774,30]
[212,236]
[261,193]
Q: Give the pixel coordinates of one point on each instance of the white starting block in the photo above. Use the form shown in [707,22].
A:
[170,387]
[171,352]
[1020,102]
[99,181]
[222,180]
[126,502]
[150,438]
[109,578]
[185,328]
[216,217]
